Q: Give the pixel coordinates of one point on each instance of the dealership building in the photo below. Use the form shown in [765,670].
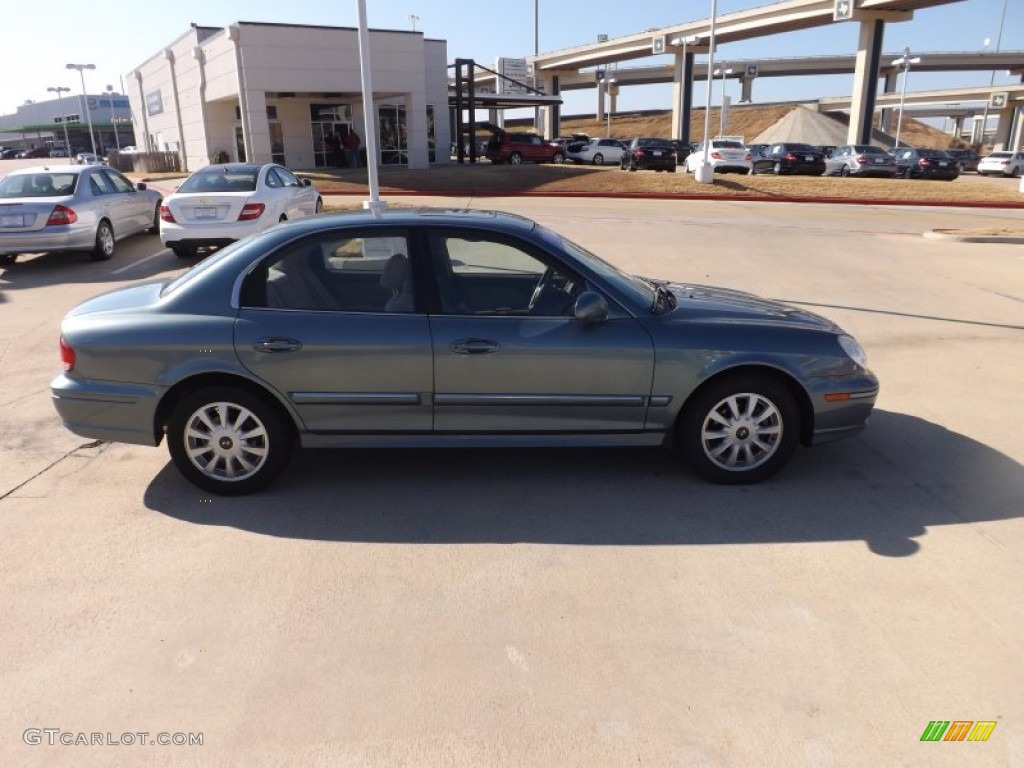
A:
[288,93]
[42,124]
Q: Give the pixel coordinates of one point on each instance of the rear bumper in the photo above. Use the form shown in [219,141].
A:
[49,239]
[198,235]
[101,410]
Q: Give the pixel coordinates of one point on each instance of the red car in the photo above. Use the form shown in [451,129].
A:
[516,148]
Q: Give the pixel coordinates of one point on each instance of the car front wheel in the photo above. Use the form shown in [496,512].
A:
[228,441]
[104,247]
[515,158]
[154,228]
[598,159]
[739,430]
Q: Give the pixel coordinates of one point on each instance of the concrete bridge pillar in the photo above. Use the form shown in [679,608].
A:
[682,93]
[888,86]
[1004,128]
[552,112]
[599,115]
[865,81]
[746,90]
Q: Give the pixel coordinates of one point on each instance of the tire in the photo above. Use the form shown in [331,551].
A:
[281,218]
[515,158]
[155,228]
[632,167]
[6,259]
[777,169]
[598,159]
[103,250]
[558,159]
[844,171]
[1015,174]
[183,253]
[319,206]
[243,435]
[718,427]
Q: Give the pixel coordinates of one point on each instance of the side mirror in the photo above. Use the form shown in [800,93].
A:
[305,182]
[141,186]
[591,308]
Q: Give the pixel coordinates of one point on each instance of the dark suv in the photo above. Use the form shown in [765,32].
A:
[516,148]
[967,158]
[926,164]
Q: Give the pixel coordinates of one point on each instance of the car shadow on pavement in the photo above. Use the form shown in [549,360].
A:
[886,488]
[62,268]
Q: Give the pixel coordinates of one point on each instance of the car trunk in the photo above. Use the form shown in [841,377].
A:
[207,208]
[29,214]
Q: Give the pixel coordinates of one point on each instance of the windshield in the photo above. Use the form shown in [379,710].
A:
[800,148]
[39,185]
[221,180]
[637,288]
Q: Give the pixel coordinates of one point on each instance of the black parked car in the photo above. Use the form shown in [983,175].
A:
[649,154]
[682,149]
[926,164]
[967,158]
[790,157]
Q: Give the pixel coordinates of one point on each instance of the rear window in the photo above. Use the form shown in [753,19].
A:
[653,143]
[726,144]
[932,153]
[870,150]
[1001,155]
[221,181]
[39,185]
[800,148]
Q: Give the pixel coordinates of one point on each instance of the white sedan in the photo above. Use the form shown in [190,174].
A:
[1002,163]
[597,152]
[220,204]
[726,155]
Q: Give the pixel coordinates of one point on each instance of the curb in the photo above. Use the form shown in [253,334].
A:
[940,234]
[683,196]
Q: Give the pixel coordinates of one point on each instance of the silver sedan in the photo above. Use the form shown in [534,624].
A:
[448,328]
[72,208]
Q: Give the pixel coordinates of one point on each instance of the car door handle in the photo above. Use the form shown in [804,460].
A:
[277,345]
[473,346]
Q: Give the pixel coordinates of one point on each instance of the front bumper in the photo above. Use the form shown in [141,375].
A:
[841,406]
[102,410]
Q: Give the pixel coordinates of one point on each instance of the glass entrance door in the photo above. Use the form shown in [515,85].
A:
[394,149]
[330,124]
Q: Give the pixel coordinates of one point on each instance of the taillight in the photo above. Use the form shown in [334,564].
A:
[61,215]
[791,157]
[861,159]
[67,355]
[716,156]
[746,156]
[924,161]
[251,211]
[165,214]
[638,153]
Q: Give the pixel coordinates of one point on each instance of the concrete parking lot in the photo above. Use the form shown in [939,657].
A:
[549,608]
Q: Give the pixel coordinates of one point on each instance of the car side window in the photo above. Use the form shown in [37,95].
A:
[272,180]
[100,184]
[288,178]
[119,182]
[483,275]
[336,273]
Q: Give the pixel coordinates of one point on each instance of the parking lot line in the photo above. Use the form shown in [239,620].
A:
[140,262]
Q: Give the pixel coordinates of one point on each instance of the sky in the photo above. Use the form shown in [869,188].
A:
[121,35]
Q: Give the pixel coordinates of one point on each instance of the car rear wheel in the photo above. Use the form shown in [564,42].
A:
[104,247]
[598,159]
[777,169]
[740,429]
[559,158]
[632,167]
[515,158]
[1016,172]
[844,171]
[228,441]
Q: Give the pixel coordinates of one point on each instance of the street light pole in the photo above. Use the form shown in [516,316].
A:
[63,116]
[904,61]
[110,96]
[85,97]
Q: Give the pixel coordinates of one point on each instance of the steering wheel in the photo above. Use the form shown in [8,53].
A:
[541,288]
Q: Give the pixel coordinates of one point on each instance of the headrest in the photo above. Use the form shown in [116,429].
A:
[396,272]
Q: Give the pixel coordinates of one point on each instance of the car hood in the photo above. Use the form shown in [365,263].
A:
[121,299]
[705,302]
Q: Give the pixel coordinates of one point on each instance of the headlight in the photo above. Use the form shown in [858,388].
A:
[854,350]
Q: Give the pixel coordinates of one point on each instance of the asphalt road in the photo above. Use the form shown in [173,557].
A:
[549,608]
